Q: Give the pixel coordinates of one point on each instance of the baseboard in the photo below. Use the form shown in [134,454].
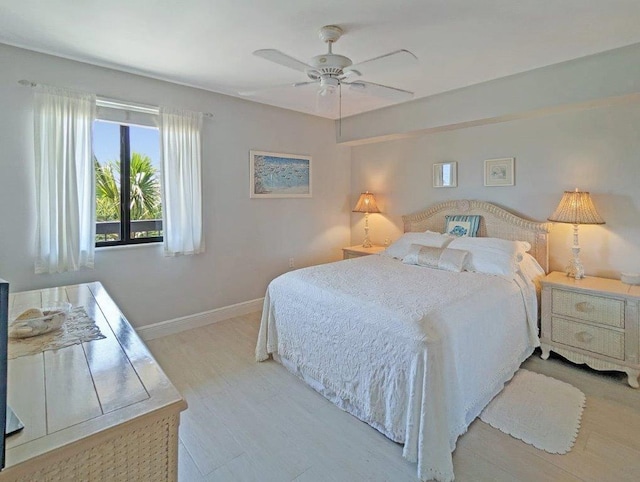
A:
[170,327]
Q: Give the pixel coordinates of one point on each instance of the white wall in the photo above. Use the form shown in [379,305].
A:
[249,241]
[596,150]
[567,85]
[574,124]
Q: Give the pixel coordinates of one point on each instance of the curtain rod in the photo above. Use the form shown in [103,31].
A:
[117,104]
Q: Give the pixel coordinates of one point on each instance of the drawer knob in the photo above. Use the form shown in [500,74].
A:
[584,307]
[584,337]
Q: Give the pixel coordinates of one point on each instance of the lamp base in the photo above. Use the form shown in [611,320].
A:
[575,269]
[367,242]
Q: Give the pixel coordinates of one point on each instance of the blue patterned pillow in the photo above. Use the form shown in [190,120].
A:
[462,225]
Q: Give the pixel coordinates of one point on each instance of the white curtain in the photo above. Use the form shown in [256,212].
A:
[65,185]
[181,181]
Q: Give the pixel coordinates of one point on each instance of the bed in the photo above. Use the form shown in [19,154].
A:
[405,348]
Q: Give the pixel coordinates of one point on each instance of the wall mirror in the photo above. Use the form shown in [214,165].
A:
[445,174]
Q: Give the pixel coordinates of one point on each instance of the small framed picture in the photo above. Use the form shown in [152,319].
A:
[499,172]
[445,174]
[278,175]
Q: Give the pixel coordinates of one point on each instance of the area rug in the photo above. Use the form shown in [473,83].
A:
[77,328]
[539,410]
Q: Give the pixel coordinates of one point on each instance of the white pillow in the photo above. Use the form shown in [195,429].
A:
[531,269]
[491,255]
[437,258]
[523,246]
[400,248]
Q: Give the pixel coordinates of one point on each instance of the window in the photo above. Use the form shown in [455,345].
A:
[127,167]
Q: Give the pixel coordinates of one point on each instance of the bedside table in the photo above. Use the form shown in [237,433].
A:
[593,321]
[357,251]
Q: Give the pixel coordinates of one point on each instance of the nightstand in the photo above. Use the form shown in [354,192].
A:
[593,321]
[357,251]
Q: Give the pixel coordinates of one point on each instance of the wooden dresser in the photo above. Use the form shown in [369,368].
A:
[100,410]
[593,321]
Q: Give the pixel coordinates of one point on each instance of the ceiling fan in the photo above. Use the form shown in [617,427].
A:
[330,71]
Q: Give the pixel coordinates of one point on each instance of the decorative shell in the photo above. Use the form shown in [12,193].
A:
[30,314]
[34,321]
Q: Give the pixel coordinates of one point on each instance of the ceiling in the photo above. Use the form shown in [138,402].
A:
[209,43]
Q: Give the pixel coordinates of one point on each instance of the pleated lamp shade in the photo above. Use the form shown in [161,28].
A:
[366,204]
[576,207]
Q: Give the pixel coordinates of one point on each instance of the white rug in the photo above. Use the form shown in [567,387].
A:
[539,410]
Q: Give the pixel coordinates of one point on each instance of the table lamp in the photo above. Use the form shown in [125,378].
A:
[366,204]
[576,207]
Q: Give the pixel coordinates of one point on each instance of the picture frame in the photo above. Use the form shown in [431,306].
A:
[445,174]
[279,175]
[499,172]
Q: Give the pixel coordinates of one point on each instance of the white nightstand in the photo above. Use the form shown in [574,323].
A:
[357,251]
[593,321]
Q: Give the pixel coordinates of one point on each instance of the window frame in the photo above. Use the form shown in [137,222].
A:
[125,194]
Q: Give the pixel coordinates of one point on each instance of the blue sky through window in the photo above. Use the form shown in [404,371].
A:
[106,142]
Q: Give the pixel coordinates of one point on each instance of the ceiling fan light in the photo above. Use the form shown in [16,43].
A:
[328,90]
[328,85]
[326,103]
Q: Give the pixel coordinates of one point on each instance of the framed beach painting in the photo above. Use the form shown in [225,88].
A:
[499,172]
[277,175]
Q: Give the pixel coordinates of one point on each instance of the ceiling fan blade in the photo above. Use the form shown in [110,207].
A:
[395,60]
[249,93]
[282,59]
[349,73]
[382,91]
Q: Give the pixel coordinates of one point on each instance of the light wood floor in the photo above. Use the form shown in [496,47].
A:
[251,421]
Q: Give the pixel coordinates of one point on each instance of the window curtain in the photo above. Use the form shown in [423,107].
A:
[180,148]
[65,188]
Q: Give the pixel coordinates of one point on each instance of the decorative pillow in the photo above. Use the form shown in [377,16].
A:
[490,255]
[458,229]
[462,225]
[401,247]
[437,258]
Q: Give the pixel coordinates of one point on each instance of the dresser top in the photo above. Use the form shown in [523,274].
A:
[593,284]
[68,394]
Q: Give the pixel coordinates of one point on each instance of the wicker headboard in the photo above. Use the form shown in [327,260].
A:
[494,223]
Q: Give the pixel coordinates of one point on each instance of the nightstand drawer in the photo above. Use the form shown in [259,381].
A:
[591,338]
[585,307]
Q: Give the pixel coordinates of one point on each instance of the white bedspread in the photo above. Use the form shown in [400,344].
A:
[416,353]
